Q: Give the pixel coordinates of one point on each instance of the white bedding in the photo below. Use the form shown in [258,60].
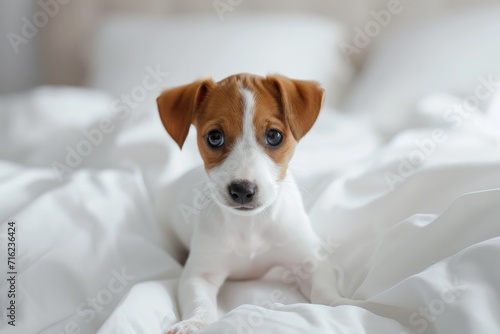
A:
[418,255]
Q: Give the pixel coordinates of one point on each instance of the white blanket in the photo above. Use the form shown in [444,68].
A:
[415,248]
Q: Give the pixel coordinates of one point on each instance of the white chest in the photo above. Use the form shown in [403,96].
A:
[251,247]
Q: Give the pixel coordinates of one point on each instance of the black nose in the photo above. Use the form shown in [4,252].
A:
[242,191]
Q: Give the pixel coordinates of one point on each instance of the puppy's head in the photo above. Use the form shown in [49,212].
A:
[248,127]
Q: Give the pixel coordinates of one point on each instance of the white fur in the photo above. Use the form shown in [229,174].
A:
[247,161]
[229,244]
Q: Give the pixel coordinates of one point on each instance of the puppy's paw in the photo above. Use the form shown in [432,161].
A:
[189,326]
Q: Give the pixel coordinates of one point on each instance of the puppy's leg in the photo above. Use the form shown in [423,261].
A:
[315,270]
[324,288]
[197,296]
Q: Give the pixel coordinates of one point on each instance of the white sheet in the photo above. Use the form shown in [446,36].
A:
[419,258]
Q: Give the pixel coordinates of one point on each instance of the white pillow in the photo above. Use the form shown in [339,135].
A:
[443,55]
[190,47]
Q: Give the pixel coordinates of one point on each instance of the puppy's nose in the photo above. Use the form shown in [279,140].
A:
[242,191]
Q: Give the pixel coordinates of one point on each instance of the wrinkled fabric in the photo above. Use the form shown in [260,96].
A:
[414,237]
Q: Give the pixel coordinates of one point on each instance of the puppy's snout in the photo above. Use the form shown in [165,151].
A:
[242,191]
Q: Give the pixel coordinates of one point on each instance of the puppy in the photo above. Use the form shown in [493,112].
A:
[250,215]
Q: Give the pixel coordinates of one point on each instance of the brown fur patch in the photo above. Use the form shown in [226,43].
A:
[223,111]
[177,107]
[269,115]
[290,106]
[301,102]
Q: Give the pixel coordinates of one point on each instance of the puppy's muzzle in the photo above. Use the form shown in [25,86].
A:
[242,191]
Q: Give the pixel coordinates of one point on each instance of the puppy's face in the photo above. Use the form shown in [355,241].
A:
[247,130]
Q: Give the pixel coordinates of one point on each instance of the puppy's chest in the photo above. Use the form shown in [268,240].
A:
[248,246]
[250,255]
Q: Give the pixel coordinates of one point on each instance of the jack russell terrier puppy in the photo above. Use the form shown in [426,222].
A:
[247,130]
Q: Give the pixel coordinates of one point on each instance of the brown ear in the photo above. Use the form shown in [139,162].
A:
[301,102]
[177,107]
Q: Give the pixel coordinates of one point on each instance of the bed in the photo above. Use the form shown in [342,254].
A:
[407,205]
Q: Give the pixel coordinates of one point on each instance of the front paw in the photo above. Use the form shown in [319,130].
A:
[189,326]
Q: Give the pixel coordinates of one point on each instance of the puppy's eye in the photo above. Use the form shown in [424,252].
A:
[274,137]
[215,138]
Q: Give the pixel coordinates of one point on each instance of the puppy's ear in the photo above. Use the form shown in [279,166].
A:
[177,107]
[301,102]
